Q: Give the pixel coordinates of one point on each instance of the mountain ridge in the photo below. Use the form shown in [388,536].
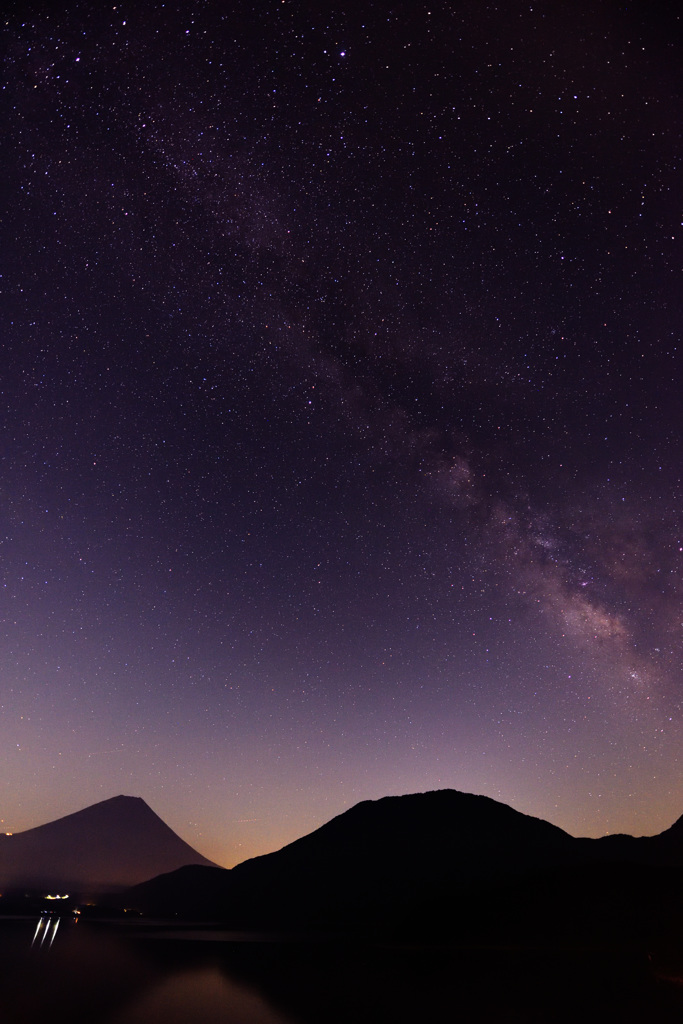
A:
[413,864]
[410,865]
[112,844]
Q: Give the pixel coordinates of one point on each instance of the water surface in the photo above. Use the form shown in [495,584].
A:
[153,973]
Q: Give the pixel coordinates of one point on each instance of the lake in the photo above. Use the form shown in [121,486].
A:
[152,973]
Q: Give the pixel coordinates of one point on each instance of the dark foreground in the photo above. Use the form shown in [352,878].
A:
[153,973]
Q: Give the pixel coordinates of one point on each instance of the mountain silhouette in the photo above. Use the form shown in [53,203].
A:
[111,845]
[663,850]
[440,864]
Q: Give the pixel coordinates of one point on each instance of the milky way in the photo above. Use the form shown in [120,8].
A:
[342,433]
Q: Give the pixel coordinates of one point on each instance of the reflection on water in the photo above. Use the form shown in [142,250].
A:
[46,929]
[203,996]
[111,974]
[118,973]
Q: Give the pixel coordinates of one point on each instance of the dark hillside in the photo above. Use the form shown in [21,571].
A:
[444,865]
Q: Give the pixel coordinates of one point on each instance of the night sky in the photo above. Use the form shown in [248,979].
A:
[340,382]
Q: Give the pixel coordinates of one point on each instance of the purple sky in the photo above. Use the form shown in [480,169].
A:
[341,418]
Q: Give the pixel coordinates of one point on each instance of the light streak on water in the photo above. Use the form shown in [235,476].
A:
[38,927]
